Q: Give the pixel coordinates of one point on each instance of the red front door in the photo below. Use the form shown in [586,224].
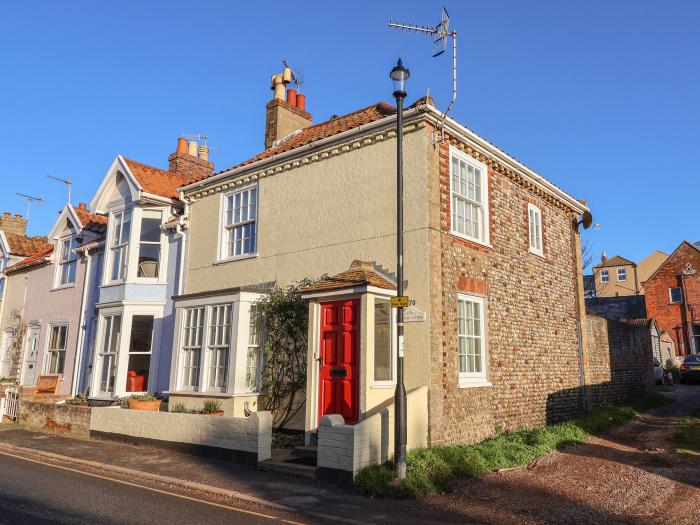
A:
[339,375]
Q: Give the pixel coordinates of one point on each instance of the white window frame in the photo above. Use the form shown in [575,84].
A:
[101,353]
[226,229]
[190,342]
[213,350]
[624,274]
[124,247]
[393,345]
[49,351]
[473,379]
[254,350]
[62,263]
[670,295]
[160,243]
[604,276]
[4,261]
[484,238]
[535,230]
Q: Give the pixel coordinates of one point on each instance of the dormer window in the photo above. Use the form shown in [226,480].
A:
[149,244]
[119,246]
[67,261]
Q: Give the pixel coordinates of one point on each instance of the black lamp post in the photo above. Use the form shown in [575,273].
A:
[399,75]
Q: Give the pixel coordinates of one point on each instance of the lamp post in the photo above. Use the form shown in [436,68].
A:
[399,75]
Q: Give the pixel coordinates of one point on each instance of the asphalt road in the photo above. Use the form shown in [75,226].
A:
[37,494]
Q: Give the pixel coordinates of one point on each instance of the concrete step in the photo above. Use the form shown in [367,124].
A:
[306,452]
[283,462]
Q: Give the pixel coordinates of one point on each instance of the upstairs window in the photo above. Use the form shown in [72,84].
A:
[120,244]
[149,244]
[604,276]
[675,295]
[240,215]
[469,197]
[56,359]
[67,262]
[535,228]
[621,274]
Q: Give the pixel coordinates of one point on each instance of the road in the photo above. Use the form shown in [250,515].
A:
[37,494]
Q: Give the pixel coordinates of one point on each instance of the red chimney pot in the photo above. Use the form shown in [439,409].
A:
[301,101]
[292,96]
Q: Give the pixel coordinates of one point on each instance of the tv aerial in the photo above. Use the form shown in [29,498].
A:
[30,199]
[297,75]
[67,182]
[440,34]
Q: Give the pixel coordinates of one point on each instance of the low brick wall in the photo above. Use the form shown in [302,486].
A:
[241,439]
[57,418]
[621,361]
[345,449]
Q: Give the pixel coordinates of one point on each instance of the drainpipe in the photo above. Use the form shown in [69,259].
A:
[182,230]
[77,365]
[636,281]
[686,272]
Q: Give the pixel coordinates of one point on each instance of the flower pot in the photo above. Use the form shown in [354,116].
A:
[220,413]
[135,404]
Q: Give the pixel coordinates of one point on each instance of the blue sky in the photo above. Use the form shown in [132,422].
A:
[600,97]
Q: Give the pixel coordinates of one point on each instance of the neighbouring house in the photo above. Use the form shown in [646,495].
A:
[673,297]
[492,266]
[620,277]
[15,246]
[134,311]
[60,283]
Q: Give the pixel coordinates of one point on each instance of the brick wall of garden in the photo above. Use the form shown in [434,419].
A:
[56,418]
[620,361]
[533,351]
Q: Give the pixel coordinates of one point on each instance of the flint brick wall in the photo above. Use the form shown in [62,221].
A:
[531,303]
[673,318]
[621,361]
[251,434]
[57,418]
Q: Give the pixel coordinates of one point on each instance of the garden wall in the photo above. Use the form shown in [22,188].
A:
[57,418]
[243,440]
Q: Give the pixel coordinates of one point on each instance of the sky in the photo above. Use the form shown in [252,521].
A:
[599,97]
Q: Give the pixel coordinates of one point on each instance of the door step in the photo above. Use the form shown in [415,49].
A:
[283,461]
[309,452]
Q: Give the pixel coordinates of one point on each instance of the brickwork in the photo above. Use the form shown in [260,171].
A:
[620,308]
[57,418]
[621,361]
[281,119]
[189,166]
[674,318]
[532,310]
[14,224]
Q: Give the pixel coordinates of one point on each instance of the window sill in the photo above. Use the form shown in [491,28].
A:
[485,244]
[195,393]
[112,283]
[234,259]
[62,287]
[474,384]
[383,385]
[537,253]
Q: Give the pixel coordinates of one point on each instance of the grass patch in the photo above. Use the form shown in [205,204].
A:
[687,437]
[431,470]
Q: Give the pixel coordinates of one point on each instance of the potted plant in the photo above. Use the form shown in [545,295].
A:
[144,402]
[212,408]
[81,400]
[180,408]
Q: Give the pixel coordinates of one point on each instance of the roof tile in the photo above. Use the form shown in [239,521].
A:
[34,258]
[360,273]
[22,245]
[157,181]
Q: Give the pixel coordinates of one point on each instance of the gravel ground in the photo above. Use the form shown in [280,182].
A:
[630,475]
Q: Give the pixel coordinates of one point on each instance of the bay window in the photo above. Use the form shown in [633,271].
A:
[108,352]
[471,341]
[149,244]
[139,364]
[56,353]
[119,246]
[192,346]
[218,345]
[239,230]
[469,197]
[254,358]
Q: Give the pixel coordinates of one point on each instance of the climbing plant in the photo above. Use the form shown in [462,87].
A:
[285,321]
[20,328]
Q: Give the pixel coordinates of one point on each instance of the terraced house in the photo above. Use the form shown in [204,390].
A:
[492,263]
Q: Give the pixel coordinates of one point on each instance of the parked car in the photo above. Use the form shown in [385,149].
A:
[690,369]
[658,373]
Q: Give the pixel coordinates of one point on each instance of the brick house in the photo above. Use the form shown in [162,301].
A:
[492,262]
[673,297]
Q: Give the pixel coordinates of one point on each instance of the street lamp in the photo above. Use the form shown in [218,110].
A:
[399,75]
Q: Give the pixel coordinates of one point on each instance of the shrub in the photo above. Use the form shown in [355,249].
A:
[211,406]
[180,408]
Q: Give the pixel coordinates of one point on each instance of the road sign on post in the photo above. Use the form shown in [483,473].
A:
[400,302]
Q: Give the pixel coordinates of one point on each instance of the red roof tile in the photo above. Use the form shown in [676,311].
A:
[91,221]
[157,181]
[360,273]
[322,130]
[38,256]
[22,245]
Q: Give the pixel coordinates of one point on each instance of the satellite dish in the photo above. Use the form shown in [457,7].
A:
[586,220]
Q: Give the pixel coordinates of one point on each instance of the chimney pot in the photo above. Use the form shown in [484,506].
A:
[18,215]
[181,146]
[292,96]
[82,206]
[192,148]
[204,152]
[7,213]
[301,102]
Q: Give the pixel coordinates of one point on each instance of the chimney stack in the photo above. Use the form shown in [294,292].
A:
[190,160]
[286,112]
[603,257]
[16,224]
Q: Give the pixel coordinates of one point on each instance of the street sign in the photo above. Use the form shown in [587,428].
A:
[413,315]
[399,302]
